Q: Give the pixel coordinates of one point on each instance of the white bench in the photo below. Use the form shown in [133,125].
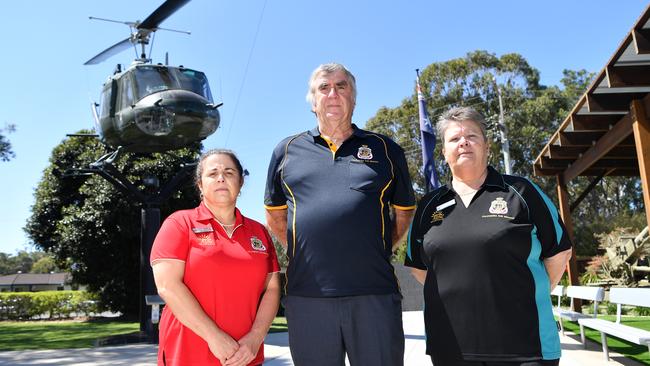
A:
[595,294]
[620,296]
[559,292]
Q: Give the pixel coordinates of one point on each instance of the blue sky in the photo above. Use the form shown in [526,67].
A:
[46,91]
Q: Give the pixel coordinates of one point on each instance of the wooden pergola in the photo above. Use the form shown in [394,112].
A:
[607,133]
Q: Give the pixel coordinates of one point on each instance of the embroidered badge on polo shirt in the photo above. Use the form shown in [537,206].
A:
[498,209]
[437,216]
[257,244]
[364,153]
[499,206]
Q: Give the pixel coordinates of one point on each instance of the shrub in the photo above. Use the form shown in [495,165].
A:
[48,304]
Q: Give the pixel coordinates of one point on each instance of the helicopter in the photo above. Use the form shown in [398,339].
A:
[152,107]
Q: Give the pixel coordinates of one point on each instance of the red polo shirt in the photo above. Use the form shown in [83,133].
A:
[226,275]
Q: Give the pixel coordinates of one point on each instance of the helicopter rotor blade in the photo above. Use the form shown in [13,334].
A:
[110,51]
[159,15]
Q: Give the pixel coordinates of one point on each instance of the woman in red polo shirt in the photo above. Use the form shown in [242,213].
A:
[217,272]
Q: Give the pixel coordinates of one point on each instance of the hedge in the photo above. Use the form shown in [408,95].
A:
[46,304]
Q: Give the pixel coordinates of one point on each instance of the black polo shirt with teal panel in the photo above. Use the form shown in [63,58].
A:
[487,291]
[338,220]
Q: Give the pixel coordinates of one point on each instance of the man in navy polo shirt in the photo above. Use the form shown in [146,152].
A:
[328,197]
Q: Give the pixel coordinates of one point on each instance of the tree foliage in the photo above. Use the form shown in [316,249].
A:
[92,228]
[5,145]
[23,262]
[46,264]
[473,81]
[532,113]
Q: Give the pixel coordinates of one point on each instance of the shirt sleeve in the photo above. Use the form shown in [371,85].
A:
[403,196]
[274,197]
[550,230]
[273,265]
[172,241]
[414,248]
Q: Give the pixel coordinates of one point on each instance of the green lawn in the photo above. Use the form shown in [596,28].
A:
[627,349]
[16,336]
[59,334]
[279,325]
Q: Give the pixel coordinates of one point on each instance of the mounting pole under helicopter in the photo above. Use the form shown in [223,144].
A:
[150,200]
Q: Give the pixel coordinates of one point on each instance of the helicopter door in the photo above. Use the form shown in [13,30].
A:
[109,97]
[106,103]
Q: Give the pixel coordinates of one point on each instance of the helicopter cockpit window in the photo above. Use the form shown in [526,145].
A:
[151,79]
[194,81]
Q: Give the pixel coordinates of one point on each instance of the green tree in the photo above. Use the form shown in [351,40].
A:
[23,261]
[5,264]
[46,264]
[5,146]
[92,228]
[469,81]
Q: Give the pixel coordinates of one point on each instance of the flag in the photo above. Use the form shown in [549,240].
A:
[428,141]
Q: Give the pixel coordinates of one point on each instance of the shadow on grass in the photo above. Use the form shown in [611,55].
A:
[60,334]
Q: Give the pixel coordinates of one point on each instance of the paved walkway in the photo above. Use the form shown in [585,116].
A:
[277,352]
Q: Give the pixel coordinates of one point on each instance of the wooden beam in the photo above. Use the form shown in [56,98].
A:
[641,40]
[565,214]
[602,163]
[591,172]
[613,137]
[589,188]
[576,151]
[622,75]
[641,130]
[615,99]
[568,138]
[590,122]
[567,152]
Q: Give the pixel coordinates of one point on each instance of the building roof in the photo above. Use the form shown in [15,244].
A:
[596,138]
[34,279]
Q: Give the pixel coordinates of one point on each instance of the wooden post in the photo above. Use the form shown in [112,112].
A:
[641,128]
[565,214]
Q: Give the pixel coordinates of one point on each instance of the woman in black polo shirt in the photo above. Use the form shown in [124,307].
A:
[488,249]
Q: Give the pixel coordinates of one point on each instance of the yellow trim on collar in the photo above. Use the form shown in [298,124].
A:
[331,145]
[404,208]
[273,208]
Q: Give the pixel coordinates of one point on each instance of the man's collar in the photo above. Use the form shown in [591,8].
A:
[315,132]
[356,131]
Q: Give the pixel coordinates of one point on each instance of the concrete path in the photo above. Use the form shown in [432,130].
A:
[277,352]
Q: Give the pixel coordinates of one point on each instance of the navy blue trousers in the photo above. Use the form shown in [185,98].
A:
[367,327]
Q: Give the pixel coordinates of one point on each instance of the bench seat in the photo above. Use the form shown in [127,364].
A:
[630,334]
[570,315]
[595,294]
[620,296]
